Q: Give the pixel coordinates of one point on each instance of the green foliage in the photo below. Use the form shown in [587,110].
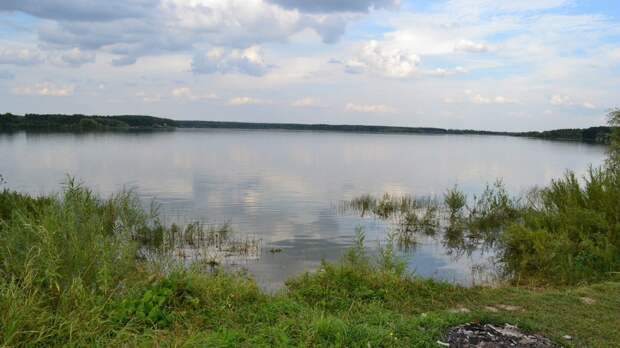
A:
[70,275]
[81,123]
[493,209]
[613,161]
[572,234]
[153,307]
[570,230]
[598,135]
[61,259]
[456,201]
[53,122]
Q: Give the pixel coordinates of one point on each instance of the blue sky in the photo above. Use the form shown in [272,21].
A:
[531,64]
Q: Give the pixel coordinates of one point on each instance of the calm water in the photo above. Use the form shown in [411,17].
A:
[285,187]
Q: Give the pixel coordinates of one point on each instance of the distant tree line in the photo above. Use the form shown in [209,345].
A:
[55,122]
[592,135]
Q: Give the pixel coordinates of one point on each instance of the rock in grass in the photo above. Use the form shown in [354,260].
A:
[487,335]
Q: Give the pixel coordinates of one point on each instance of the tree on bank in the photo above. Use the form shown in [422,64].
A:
[613,161]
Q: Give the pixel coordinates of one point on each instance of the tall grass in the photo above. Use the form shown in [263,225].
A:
[69,253]
[571,234]
[68,261]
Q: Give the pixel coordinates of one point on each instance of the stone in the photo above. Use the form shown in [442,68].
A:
[475,335]
[491,309]
[509,308]
[459,310]
[587,300]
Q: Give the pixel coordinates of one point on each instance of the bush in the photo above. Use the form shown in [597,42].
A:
[572,236]
[61,259]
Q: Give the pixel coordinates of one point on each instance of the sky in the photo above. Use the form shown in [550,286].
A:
[476,64]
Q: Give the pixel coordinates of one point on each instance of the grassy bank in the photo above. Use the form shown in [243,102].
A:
[70,275]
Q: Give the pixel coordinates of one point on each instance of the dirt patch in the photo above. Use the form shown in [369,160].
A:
[509,308]
[459,309]
[587,300]
[487,336]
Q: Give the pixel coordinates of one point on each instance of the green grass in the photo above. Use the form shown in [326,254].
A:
[69,276]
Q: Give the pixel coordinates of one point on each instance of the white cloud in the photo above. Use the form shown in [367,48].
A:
[588,105]
[384,59]
[133,29]
[148,97]
[72,58]
[568,101]
[470,46]
[308,102]
[20,56]
[249,61]
[558,99]
[186,93]
[44,89]
[441,72]
[369,108]
[479,99]
[237,101]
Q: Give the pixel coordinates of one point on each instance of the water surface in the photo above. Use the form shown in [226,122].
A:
[285,187]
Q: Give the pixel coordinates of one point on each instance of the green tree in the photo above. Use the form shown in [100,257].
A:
[613,161]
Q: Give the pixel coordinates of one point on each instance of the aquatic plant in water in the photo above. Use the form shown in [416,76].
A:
[565,233]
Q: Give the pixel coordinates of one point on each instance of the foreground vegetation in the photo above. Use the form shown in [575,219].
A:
[83,123]
[79,270]
[70,275]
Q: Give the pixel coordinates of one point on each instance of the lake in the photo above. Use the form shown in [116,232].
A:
[286,188]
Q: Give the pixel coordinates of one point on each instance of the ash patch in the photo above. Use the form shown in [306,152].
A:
[490,336]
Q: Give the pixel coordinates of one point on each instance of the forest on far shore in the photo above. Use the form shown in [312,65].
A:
[87,123]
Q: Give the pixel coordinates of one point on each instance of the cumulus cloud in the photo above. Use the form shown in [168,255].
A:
[443,72]
[29,56]
[237,101]
[44,89]
[369,108]
[308,102]
[137,28]
[81,10]
[568,101]
[148,97]
[73,58]
[588,105]
[324,6]
[20,56]
[558,99]
[477,98]
[470,46]
[249,61]
[385,60]
[186,93]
